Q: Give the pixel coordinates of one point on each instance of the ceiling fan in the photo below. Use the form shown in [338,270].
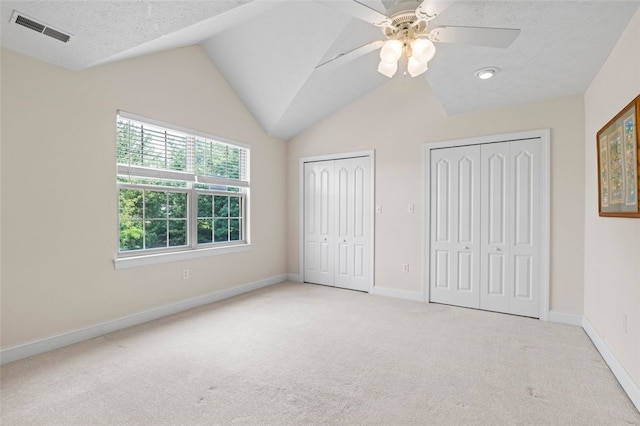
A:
[408,35]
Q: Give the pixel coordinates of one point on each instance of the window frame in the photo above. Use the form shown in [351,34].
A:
[193,249]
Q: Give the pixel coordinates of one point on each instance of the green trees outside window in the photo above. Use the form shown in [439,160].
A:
[152,219]
[219,218]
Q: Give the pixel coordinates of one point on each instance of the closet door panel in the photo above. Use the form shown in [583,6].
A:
[441,206]
[496,275]
[465,272]
[319,253]
[353,201]
[525,237]
[495,193]
[510,202]
[442,291]
[455,226]
[495,197]
[359,269]
[441,233]
[343,193]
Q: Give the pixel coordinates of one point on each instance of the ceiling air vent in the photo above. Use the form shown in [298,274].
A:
[30,23]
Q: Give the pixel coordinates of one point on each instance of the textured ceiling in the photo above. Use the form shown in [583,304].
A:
[268,49]
[101,29]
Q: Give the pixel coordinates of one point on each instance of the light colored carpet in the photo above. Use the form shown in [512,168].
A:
[306,354]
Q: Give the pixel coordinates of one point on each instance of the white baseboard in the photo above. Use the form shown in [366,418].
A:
[628,384]
[75,336]
[398,294]
[296,278]
[562,318]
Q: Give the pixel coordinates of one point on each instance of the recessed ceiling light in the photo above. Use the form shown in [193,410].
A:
[486,73]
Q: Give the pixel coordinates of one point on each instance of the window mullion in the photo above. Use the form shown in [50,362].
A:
[166,220]
[228,219]
[192,224]
[144,220]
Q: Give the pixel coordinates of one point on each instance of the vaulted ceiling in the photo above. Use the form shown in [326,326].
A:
[268,50]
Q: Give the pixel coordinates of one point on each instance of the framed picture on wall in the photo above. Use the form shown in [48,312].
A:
[618,145]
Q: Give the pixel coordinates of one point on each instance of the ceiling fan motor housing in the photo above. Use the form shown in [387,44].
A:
[404,22]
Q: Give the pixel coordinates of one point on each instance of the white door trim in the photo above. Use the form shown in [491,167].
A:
[371,155]
[545,193]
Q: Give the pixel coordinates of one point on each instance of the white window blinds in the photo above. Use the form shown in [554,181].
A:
[149,149]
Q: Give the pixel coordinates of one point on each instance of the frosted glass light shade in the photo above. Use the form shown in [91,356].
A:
[391,51]
[387,68]
[416,67]
[423,49]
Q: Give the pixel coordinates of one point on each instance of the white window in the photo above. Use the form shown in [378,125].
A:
[178,189]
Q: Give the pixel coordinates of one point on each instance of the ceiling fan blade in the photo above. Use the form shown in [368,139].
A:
[477,36]
[351,55]
[429,9]
[358,10]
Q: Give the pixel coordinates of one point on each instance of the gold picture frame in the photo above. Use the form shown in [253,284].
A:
[618,145]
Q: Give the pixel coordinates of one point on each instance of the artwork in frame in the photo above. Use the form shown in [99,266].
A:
[618,144]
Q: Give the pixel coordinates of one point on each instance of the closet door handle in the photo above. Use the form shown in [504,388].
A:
[497,248]
[466,247]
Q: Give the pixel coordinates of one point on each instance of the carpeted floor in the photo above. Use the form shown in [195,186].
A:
[306,354]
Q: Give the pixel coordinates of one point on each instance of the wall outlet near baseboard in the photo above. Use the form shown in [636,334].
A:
[405,267]
[185,274]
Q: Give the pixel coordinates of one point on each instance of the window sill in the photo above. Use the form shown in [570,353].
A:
[152,259]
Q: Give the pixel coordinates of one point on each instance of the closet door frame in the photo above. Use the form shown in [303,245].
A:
[545,193]
[370,154]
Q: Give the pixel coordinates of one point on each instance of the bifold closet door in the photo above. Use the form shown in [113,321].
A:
[455,226]
[510,231]
[352,225]
[485,226]
[337,222]
[318,222]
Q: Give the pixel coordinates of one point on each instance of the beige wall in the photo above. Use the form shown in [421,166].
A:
[396,120]
[612,245]
[59,213]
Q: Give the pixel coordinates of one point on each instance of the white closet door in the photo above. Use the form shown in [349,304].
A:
[352,218]
[495,227]
[319,208]
[524,244]
[511,227]
[337,223]
[455,226]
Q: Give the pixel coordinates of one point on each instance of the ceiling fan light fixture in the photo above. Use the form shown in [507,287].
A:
[415,67]
[387,69]
[486,73]
[391,51]
[423,49]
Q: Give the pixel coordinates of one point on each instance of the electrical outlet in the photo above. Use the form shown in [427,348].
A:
[405,267]
[624,323]
[410,208]
[185,274]
[379,208]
